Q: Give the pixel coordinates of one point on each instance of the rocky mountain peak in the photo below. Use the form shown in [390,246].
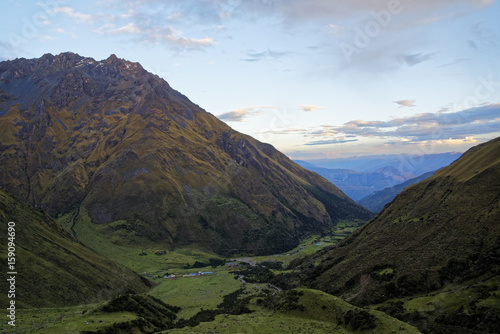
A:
[112,141]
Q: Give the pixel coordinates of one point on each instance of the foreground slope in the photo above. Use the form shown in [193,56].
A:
[439,232]
[109,141]
[53,268]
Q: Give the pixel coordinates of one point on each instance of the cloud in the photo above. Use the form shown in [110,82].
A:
[265,55]
[414,59]
[67,33]
[239,115]
[70,12]
[472,45]
[310,107]
[192,43]
[422,127]
[145,32]
[405,103]
[130,28]
[46,38]
[456,61]
[330,141]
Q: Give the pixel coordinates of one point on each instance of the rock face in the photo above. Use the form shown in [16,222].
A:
[438,232]
[108,141]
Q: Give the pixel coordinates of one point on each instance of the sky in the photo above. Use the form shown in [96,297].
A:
[318,79]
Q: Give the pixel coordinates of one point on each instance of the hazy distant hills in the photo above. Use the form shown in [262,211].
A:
[53,267]
[437,233]
[358,185]
[359,177]
[376,201]
[416,164]
[107,143]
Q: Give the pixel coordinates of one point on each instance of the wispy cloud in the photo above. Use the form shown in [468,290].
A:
[310,107]
[143,32]
[268,54]
[239,115]
[67,33]
[456,61]
[192,43]
[130,28]
[330,141]
[415,59]
[78,16]
[483,37]
[405,103]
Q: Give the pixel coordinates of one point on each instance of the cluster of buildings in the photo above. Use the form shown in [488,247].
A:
[199,273]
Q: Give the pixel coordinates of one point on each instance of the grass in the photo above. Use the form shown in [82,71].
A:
[319,315]
[64,320]
[195,293]
[131,257]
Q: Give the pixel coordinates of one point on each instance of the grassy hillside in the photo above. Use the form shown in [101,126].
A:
[53,268]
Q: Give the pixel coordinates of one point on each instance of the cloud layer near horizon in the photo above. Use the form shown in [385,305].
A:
[417,128]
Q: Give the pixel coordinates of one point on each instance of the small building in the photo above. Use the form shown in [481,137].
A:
[205,273]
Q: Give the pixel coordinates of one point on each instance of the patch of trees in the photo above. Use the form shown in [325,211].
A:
[358,320]
[256,274]
[282,301]
[214,263]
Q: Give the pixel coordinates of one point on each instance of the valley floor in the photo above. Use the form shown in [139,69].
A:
[218,302]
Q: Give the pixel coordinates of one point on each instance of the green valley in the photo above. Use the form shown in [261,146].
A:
[216,301]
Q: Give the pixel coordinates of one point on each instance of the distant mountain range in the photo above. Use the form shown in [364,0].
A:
[109,145]
[359,177]
[376,201]
[416,164]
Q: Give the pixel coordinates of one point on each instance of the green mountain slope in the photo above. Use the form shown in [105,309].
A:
[53,268]
[436,234]
[108,139]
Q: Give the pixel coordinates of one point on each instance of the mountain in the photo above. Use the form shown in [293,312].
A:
[416,164]
[441,233]
[111,146]
[358,185]
[53,268]
[376,201]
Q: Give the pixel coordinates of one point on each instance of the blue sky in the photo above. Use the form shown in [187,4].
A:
[315,78]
